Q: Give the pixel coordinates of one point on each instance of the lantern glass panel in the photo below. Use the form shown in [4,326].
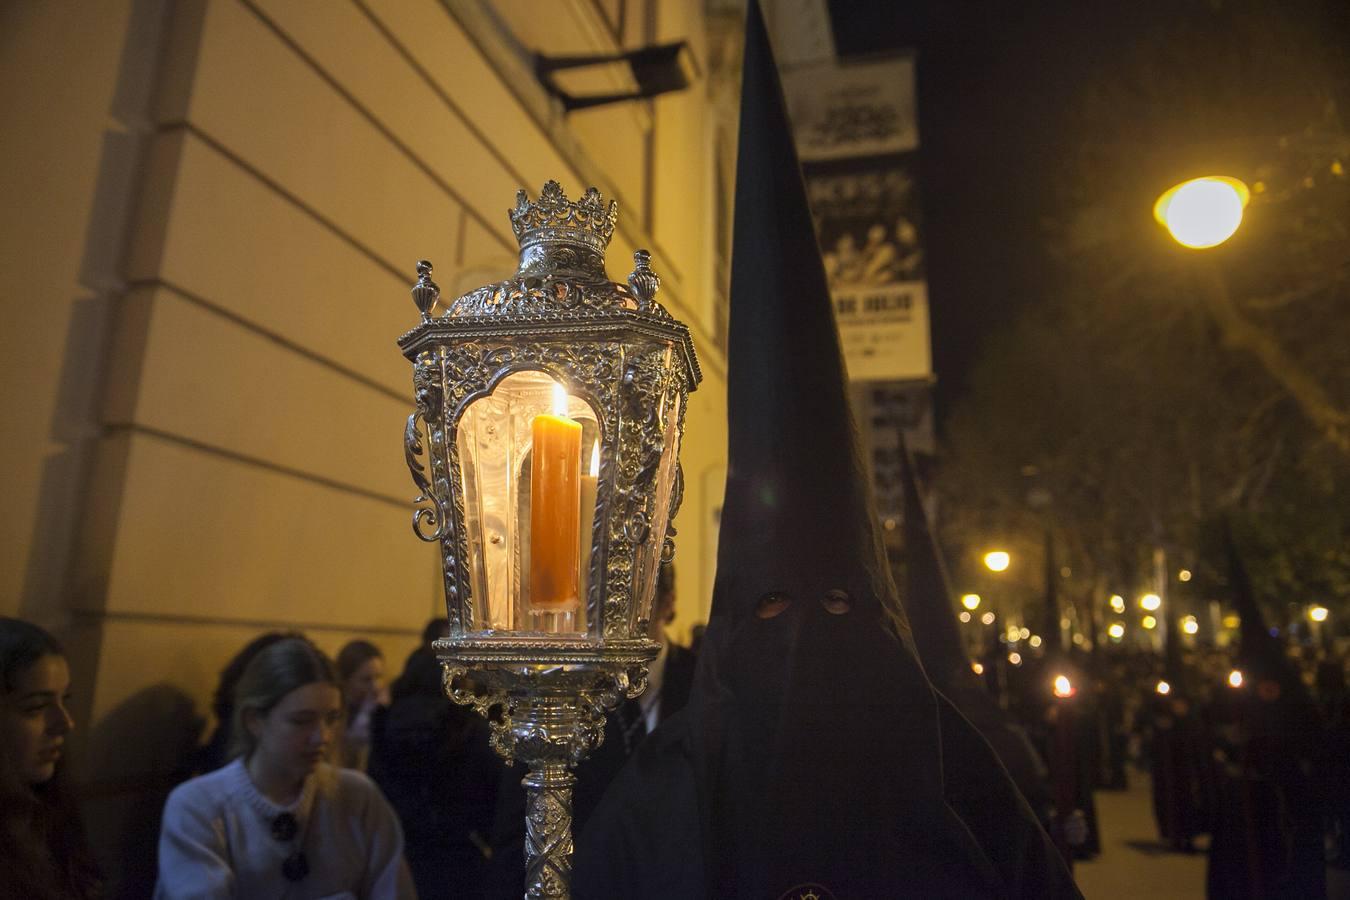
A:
[529,455]
[648,557]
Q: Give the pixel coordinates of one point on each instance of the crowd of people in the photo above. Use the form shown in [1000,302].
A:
[1247,746]
[317,781]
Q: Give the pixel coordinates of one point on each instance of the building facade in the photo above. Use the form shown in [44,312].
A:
[213,208]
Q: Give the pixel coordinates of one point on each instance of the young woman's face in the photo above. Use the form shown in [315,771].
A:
[34,720]
[295,736]
[365,683]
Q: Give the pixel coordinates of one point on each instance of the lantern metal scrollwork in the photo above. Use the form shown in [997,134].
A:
[544,447]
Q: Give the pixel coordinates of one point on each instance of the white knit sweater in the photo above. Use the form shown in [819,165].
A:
[216,841]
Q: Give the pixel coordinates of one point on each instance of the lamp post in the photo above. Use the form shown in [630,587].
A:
[544,445]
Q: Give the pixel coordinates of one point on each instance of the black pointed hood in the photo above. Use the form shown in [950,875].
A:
[1051,631]
[816,733]
[927,598]
[1260,653]
[797,508]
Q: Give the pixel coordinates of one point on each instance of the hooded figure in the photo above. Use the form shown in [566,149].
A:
[1179,748]
[810,759]
[927,602]
[1267,830]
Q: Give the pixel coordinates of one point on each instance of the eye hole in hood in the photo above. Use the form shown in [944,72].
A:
[772,604]
[837,602]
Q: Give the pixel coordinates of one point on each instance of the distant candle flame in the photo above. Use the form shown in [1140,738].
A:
[1063,687]
[559,399]
[595,460]
[1164,688]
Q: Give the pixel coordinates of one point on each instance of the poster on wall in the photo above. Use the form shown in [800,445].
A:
[857,137]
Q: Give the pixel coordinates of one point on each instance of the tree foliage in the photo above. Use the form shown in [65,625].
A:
[1156,390]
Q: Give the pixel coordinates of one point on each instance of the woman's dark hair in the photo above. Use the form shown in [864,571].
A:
[22,644]
[43,850]
[272,674]
[355,655]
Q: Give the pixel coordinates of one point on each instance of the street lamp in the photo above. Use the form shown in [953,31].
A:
[549,563]
[1116,631]
[1150,602]
[997,560]
[1202,212]
[972,602]
[1318,613]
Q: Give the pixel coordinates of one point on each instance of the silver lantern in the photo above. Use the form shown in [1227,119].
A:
[545,444]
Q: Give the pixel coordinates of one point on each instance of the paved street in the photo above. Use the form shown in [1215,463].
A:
[1132,864]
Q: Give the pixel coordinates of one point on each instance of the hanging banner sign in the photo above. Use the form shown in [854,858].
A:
[857,138]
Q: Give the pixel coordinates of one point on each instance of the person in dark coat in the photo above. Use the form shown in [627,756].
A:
[431,759]
[814,757]
[1179,750]
[1267,837]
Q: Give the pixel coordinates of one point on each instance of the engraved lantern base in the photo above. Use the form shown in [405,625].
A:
[548,712]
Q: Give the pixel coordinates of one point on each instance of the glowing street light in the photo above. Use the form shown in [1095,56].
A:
[1235,679]
[964,617]
[997,560]
[977,668]
[971,602]
[1318,613]
[1190,625]
[1149,622]
[1115,631]
[1184,575]
[1035,640]
[1202,212]
[987,618]
[1164,688]
[1015,658]
[1063,687]
[1150,602]
[1117,603]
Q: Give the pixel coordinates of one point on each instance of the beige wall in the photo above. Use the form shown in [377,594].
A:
[212,214]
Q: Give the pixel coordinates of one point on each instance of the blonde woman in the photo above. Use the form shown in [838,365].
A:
[279,821]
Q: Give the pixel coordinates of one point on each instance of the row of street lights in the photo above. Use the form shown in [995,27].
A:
[999,561]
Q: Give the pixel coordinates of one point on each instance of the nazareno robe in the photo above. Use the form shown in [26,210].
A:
[814,756]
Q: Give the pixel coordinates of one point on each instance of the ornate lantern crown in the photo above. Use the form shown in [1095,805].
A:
[554,218]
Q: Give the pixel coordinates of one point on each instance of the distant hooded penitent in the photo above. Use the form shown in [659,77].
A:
[814,757]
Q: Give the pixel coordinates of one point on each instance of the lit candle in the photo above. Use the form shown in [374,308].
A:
[589,481]
[555,501]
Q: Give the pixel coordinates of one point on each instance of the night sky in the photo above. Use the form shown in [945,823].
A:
[999,84]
